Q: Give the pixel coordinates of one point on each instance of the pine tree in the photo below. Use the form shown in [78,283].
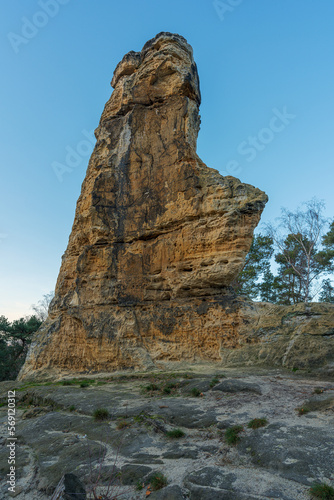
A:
[257,265]
[15,338]
[327,292]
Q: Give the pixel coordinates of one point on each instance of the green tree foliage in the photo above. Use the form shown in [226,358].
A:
[269,287]
[328,239]
[303,254]
[327,292]
[300,257]
[15,338]
[292,269]
[256,267]
[327,254]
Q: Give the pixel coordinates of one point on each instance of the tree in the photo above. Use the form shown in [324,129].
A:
[257,265]
[302,262]
[15,338]
[327,253]
[270,287]
[327,292]
[41,309]
[291,269]
[328,238]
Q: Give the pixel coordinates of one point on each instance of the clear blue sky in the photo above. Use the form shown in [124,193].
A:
[253,58]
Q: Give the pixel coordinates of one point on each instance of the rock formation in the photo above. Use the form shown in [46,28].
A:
[158,237]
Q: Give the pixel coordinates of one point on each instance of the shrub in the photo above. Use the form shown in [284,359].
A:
[318,391]
[195,392]
[72,408]
[158,481]
[121,424]
[232,434]
[322,491]
[84,384]
[175,433]
[139,419]
[139,486]
[303,410]
[168,388]
[152,387]
[257,422]
[101,414]
[214,382]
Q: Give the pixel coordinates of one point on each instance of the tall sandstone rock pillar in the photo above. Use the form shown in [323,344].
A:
[157,238]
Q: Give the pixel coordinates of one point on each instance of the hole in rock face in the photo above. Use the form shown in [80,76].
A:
[206,263]
[156,271]
[101,242]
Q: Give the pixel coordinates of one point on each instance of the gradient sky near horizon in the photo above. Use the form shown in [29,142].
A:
[257,60]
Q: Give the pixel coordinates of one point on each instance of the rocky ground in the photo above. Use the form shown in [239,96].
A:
[57,434]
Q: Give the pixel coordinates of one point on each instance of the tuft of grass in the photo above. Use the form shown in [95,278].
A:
[139,419]
[84,384]
[175,433]
[72,408]
[152,387]
[214,382]
[158,481]
[303,410]
[139,486]
[322,491]
[232,434]
[257,422]
[168,388]
[101,414]
[318,391]
[67,382]
[294,369]
[195,392]
[121,424]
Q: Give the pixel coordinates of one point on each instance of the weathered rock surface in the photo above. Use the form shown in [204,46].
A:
[158,236]
[279,461]
[157,239]
[288,336]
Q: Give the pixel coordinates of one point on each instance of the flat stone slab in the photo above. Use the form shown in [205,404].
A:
[168,493]
[301,453]
[236,386]
[210,483]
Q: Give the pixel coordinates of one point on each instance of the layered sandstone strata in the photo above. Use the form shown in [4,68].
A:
[158,236]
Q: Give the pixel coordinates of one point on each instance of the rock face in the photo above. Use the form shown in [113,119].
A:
[289,336]
[157,239]
[158,236]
